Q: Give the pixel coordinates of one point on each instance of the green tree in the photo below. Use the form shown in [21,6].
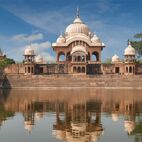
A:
[5,62]
[137,44]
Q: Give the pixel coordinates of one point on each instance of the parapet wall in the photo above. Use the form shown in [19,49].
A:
[66,80]
[63,68]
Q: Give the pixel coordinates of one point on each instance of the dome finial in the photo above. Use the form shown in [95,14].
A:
[129,42]
[77,12]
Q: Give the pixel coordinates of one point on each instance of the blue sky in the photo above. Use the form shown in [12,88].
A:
[114,21]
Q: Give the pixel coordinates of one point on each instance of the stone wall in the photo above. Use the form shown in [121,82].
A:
[107,68]
[68,80]
[15,69]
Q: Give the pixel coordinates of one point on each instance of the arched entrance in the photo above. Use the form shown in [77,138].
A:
[83,69]
[130,69]
[95,56]
[61,56]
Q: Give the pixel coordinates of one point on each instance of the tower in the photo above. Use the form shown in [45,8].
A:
[29,61]
[129,60]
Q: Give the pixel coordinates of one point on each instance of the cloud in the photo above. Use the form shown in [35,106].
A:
[47,57]
[15,50]
[41,46]
[29,38]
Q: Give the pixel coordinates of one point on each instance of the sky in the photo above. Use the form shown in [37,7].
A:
[113,21]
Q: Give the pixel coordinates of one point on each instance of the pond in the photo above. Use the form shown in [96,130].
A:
[71,115]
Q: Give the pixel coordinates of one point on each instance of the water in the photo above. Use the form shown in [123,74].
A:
[71,115]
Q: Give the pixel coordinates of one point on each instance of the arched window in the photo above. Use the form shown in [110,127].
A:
[83,58]
[29,70]
[95,56]
[126,69]
[74,58]
[79,58]
[61,56]
[83,69]
[130,69]
[25,69]
[79,69]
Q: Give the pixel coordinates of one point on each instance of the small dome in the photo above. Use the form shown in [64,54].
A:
[129,50]
[96,40]
[60,39]
[77,27]
[115,58]
[79,48]
[29,51]
[39,59]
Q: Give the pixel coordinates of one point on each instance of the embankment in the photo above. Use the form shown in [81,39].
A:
[47,81]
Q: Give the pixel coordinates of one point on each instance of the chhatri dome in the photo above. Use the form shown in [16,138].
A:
[77,27]
[39,59]
[129,50]
[115,58]
[95,39]
[60,39]
[29,51]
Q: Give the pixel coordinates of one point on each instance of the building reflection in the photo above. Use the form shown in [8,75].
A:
[78,113]
[81,122]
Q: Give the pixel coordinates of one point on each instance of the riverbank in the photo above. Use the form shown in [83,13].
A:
[69,81]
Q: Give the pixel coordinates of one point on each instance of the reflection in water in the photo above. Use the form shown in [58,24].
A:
[78,112]
[81,122]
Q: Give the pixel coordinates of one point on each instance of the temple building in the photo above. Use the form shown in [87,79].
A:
[78,51]
[78,46]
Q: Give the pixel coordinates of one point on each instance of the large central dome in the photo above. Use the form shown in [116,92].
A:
[77,27]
